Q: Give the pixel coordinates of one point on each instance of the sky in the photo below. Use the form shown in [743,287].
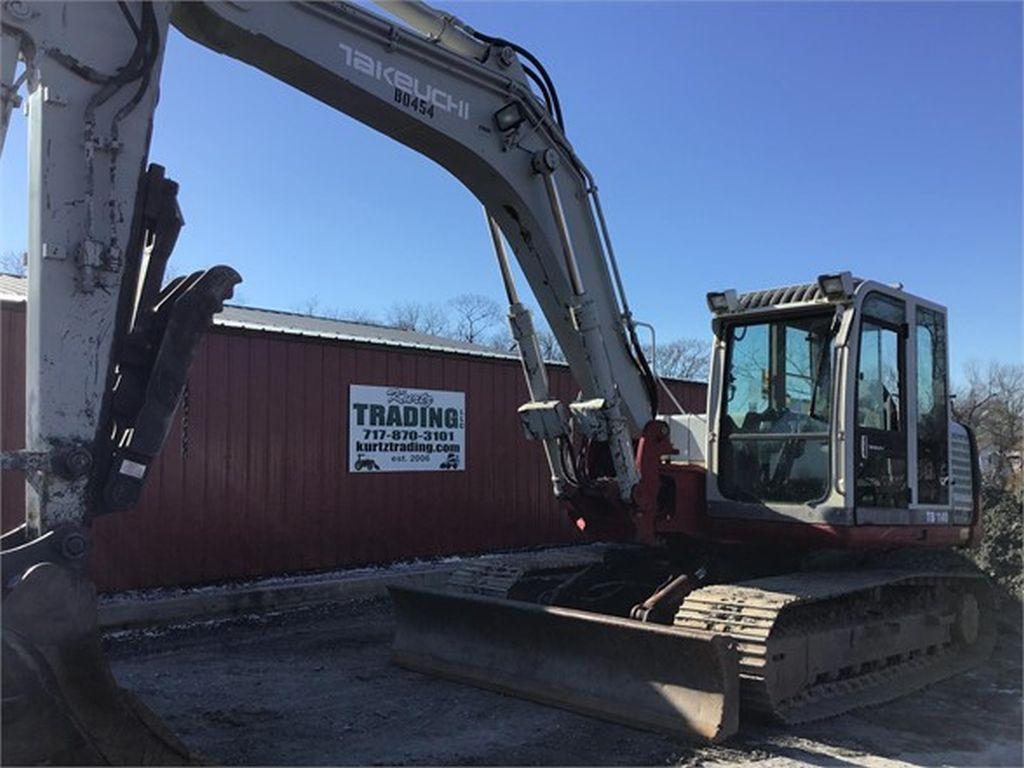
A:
[736,145]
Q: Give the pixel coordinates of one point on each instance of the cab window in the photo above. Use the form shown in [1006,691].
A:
[932,405]
[878,386]
[881,436]
[777,409]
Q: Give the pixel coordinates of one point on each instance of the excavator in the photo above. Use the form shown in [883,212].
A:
[790,554]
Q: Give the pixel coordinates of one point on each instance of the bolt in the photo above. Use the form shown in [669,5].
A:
[77,462]
[545,161]
[18,9]
[74,546]
[506,56]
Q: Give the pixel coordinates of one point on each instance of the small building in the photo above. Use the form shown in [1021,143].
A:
[266,470]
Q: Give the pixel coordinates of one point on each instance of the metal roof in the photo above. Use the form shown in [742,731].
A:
[294,324]
[15,288]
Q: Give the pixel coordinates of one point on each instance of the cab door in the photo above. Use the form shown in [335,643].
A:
[880,435]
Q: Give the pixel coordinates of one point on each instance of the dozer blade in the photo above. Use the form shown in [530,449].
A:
[61,704]
[682,683]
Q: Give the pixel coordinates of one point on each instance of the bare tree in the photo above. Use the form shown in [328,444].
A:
[502,341]
[683,359]
[474,317]
[354,315]
[313,308]
[991,403]
[13,263]
[422,318]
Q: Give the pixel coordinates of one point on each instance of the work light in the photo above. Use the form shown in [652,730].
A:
[837,286]
[723,301]
[509,116]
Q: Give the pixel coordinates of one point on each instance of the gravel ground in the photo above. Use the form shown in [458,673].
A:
[315,687]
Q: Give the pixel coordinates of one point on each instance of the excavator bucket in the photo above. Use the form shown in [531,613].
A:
[683,683]
[61,704]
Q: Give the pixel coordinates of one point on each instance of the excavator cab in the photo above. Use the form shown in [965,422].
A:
[829,407]
[830,414]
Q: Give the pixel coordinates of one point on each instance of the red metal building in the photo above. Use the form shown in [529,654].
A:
[256,480]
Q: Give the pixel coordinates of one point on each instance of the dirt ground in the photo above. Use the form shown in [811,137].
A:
[315,687]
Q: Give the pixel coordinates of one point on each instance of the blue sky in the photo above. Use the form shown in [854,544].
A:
[736,145]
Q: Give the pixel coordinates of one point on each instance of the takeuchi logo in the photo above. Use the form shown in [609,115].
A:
[404,82]
[405,397]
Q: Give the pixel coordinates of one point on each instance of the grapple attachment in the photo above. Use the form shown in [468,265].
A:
[682,683]
[61,704]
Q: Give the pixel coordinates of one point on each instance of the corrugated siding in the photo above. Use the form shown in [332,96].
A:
[12,409]
[257,483]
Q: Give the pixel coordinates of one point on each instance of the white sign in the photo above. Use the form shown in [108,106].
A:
[396,429]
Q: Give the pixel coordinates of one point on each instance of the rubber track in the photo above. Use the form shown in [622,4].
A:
[748,612]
